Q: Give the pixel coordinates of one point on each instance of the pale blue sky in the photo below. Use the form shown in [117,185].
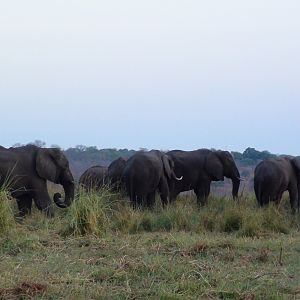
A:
[154,74]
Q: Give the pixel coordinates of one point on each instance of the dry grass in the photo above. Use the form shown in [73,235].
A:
[100,248]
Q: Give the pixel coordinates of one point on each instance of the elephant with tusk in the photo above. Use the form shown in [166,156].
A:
[199,168]
[148,172]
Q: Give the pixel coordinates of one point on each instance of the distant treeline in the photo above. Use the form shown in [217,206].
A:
[251,156]
[104,156]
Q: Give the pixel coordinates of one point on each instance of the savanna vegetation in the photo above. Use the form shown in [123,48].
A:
[100,248]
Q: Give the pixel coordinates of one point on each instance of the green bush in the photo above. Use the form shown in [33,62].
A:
[275,220]
[89,214]
[162,223]
[233,221]
[147,223]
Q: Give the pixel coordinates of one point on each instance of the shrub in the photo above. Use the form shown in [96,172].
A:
[232,221]
[89,214]
[275,220]
[146,223]
[163,222]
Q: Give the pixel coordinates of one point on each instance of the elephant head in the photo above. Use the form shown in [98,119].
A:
[221,163]
[168,165]
[52,165]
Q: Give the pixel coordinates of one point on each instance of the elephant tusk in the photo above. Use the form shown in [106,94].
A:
[179,179]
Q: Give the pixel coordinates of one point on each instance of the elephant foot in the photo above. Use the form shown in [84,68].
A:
[202,202]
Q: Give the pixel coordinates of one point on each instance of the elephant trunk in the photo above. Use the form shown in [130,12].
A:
[235,187]
[236,179]
[69,196]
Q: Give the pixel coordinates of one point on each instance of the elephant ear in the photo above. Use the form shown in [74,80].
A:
[167,165]
[214,167]
[45,164]
[296,164]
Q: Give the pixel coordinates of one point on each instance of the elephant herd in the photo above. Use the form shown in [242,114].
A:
[24,172]
[169,173]
[177,171]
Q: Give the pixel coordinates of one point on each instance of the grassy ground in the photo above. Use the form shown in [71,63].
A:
[101,249]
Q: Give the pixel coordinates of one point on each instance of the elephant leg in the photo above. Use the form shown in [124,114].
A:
[201,198]
[137,201]
[43,202]
[278,198]
[202,193]
[163,191]
[24,205]
[136,198]
[150,199]
[293,192]
[173,193]
[134,202]
[265,199]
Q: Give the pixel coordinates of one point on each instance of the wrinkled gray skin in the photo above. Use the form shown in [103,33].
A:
[199,168]
[274,176]
[94,177]
[144,174]
[24,171]
[115,174]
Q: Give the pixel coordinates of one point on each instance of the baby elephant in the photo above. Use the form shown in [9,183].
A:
[274,176]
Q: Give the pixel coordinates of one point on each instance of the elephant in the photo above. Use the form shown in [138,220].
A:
[274,176]
[199,168]
[94,177]
[24,172]
[115,174]
[145,173]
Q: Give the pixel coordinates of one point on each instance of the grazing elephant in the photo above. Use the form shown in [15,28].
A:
[147,172]
[94,177]
[274,176]
[24,171]
[115,173]
[199,168]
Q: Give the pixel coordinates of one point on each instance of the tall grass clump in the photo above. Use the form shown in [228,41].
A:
[276,220]
[178,216]
[90,213]
[244,217]
[129,220]
[97,212]
[7,220]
